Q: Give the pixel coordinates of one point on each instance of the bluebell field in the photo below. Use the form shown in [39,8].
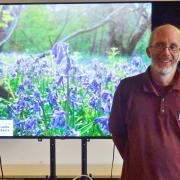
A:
[60,95]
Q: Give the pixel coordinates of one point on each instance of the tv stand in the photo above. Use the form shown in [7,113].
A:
[84,157]
[53,159]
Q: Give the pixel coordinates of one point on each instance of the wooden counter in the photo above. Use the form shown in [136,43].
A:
[65,171]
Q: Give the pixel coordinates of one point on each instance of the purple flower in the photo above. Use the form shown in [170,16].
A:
[31,124]
[52,97]
[60,80]
[60,51]
[28,83]
[36,94]
[71,132]
[21,90]
[58,119]
[117,82]
[106,95]
[106,108]
[36,106]
[109,77]
[136,61]
[20,105]
[68,67]
[95,86]
[103,122]
[94,102]
[38,132]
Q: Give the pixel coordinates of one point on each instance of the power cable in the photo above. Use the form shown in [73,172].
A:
[78,177]
[2,174]
[112,165]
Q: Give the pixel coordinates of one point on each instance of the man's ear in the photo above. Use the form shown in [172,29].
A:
[148,52]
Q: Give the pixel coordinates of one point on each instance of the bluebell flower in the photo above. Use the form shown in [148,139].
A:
[52,97]
[60,80]
[36,106]
[58,120]
[103,122]
[68,67]
[106,95]
[31,124]
[106,107]
[60,55]
[109,77]
[125,65]
[36,94]
[71,132]
[21,89]
[60,50]
[38,132]
[94,102]
[20,105]
[136,61]
[95,85]
[28,83]
[116,84]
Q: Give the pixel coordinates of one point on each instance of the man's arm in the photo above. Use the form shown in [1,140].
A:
[119,143]
[116,121]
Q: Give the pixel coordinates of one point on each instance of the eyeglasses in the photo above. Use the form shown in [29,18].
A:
[160,47]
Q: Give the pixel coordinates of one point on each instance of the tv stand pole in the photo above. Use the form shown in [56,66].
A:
[84,157]
[52,159]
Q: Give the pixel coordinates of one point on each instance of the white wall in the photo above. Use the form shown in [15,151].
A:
[30,151]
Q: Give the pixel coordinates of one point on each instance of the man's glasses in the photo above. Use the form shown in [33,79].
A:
[160,47]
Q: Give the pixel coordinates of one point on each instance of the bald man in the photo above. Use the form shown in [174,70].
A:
[145,115]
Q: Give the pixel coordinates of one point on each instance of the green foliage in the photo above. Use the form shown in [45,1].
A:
[5,18]
[40,26]
[142,45]
[113,53]
[35,31]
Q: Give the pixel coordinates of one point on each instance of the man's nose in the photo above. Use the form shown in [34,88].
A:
[166,50]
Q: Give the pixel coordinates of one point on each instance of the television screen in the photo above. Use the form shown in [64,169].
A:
[61,63]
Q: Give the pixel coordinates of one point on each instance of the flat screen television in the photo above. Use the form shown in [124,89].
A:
[61,63]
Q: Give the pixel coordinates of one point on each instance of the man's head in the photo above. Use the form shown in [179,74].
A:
[164,49]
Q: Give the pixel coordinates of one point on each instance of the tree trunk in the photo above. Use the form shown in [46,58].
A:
[135,39]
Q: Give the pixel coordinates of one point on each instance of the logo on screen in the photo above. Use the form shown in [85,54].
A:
[6,127]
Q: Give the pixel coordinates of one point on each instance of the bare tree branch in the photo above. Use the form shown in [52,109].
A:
[63,27]
[109,18]
[99,24]
[103,22]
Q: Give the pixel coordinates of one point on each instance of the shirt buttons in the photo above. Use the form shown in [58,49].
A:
[162,108]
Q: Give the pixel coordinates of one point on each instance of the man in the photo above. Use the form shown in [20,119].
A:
[145,116]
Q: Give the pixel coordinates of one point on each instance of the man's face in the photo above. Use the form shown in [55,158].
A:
[164,50]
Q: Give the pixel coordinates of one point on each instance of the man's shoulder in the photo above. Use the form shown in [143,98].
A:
[133,80]
[130,85]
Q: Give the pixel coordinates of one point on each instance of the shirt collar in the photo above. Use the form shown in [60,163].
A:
[176,81]
[147,83]
[148,86]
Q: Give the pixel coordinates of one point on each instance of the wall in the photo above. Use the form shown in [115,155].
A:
[30,151]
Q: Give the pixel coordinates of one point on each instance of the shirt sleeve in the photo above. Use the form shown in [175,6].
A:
[117,119]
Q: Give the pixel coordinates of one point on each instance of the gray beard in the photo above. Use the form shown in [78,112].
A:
[166,71]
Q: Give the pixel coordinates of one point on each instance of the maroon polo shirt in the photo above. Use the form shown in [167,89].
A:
[146,128]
